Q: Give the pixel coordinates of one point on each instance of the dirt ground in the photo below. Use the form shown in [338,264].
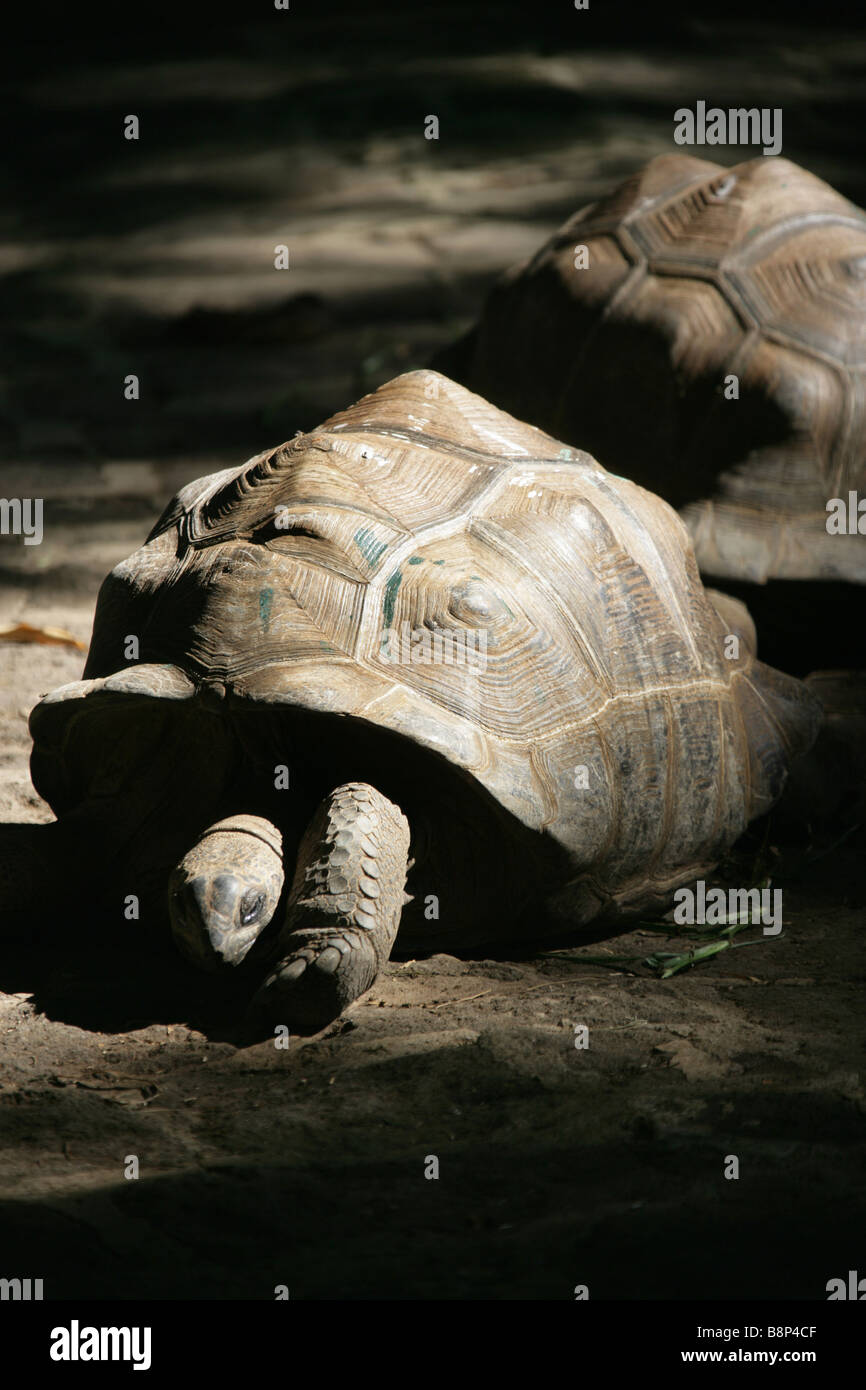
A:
[261,1166]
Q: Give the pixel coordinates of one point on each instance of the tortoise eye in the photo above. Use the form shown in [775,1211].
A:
[251,905]
[726,186]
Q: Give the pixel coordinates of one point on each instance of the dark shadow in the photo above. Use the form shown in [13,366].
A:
[805,625]
[237,380]
[642,1213]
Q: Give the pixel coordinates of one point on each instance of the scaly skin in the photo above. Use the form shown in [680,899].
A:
[343,911]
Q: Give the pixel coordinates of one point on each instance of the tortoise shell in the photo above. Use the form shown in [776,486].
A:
[701,282]
[607,740]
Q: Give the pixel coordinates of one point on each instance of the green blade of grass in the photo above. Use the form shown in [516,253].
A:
[670,963]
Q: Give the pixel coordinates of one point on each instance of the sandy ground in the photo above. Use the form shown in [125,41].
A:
[260,1166]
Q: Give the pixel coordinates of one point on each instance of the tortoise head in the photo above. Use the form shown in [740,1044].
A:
[225,891]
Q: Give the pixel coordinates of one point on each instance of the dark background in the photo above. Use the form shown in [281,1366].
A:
[306,127]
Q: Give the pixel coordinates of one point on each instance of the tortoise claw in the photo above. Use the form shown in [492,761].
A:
[310,988]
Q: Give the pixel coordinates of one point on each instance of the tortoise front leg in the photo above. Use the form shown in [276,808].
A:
[31,867]
[343,911]
[59,868]
[47,870]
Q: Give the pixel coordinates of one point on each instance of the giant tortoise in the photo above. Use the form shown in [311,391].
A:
[703,330]
[422,638]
